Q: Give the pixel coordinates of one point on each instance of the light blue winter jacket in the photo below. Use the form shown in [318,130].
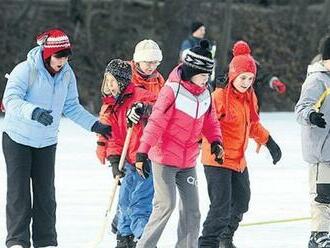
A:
[58,93]
[315,140]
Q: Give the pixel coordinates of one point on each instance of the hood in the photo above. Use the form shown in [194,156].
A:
[316,67]
[34,57]
[175,76]
[141,80]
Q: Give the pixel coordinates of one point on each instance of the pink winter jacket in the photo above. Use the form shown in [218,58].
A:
[181,113]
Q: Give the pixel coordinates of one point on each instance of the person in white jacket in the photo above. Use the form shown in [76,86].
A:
[313,113]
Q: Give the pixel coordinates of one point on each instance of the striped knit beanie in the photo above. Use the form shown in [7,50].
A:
[53,41]
[198,60]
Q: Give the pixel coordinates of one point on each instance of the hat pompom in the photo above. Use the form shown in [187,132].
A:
[204,44]
[241,48]
[41,38]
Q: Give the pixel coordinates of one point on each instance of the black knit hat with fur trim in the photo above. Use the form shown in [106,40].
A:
[121,70]
[198,60]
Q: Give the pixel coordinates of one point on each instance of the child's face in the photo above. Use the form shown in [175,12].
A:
[110,85]
[243,81]
[148,67]
[57,63]
[200,79]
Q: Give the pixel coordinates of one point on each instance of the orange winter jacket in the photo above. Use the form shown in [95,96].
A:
[235,130]
[152,83]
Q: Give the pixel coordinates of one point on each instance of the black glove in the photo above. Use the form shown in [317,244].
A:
[217,150]
[274,150]
[317,119]
[104,130]
[43,116]
[143,165]
[114,163]
[134,113]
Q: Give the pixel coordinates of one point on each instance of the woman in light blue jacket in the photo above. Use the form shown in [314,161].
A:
[39,90]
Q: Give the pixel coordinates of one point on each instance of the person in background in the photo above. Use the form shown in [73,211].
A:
[313,114]
[182,112]
[228,182]
[125,104]
[198,31]
[39,90]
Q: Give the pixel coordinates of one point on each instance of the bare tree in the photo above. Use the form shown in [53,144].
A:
[226,34]
[322,27]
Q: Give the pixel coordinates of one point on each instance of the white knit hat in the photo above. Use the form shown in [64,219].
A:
[147,50]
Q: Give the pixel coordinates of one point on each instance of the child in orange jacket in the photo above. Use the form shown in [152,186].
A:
[228,183]
[146,58]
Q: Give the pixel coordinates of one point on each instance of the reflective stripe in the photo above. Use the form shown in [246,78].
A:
[321,100]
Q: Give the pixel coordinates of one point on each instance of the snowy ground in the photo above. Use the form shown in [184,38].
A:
[278,192]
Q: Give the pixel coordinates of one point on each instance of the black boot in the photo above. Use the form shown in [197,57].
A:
[132,242]
[319,239]
[226,243]
[125,241]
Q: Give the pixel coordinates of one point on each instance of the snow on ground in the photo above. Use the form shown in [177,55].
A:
[279,192]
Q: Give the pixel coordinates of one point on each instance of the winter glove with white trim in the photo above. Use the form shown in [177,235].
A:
[134,113]
[316,118]
[42,116]
[274,149]
[217,150]
[104,130]
[143,165]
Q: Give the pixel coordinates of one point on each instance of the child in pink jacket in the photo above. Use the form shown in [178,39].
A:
[181,113]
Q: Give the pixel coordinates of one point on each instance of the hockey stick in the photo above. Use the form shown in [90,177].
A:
[275,221]
[100,235]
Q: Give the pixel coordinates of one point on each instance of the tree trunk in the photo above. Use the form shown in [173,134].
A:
[226,35]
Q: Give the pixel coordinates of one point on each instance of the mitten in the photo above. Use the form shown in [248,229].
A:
[42,116]
[279,86]
[274,149]
[104,130]
[316,118]
[114,163]
[134,113]
[217,150]
[143,165]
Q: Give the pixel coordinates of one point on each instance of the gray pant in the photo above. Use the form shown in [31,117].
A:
[320,211]
[166,180]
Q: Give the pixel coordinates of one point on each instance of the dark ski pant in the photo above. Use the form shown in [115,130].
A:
[229,193]
[30,167]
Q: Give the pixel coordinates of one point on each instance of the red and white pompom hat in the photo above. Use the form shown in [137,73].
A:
[242,60]
[53,41]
